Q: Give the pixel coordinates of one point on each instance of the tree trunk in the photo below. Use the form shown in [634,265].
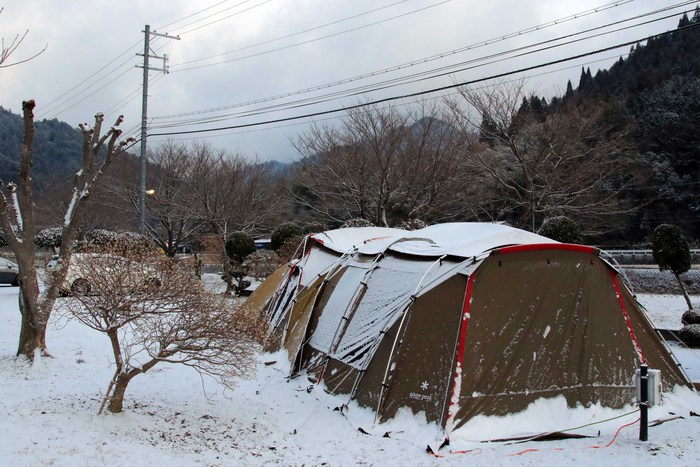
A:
[116,400]
[32,335]
[685,292]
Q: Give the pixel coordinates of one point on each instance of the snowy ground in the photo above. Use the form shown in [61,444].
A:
[48,416]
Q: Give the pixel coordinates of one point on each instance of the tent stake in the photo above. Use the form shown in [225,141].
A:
[643,403]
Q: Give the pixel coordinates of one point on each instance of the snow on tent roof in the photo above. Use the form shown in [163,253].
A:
[461,239]
[344,240]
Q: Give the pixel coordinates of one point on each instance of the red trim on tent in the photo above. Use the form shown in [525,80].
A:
[613,274]
[464,324]
[546,246]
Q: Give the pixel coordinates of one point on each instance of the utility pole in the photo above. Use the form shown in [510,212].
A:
[147,54]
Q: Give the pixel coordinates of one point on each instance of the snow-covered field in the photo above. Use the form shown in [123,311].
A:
[48,416]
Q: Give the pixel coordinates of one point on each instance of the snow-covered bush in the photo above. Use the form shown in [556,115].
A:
[49,238]
[356,222]
[411,224]
[119,242]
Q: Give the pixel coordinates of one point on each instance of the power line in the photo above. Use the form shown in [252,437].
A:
[425,92]
[196,13]
[221,19]
[417,77]
[316,39]
[47,107]
[406,103]
[315,28]
[406,65]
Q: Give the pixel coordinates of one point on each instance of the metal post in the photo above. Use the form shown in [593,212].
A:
[643,403]
[144,122]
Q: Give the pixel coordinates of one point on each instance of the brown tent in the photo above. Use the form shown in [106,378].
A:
[456,320]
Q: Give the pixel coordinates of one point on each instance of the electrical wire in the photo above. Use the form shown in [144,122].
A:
[410,64]
[405,103]
[429,91]
[315,28]
[417,77]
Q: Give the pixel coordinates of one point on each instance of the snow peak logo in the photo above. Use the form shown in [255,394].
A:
[420,397]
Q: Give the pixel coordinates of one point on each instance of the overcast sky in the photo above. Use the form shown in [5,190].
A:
[234,53]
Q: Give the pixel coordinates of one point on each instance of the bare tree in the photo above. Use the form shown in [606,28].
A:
[17,219]
[570,162]
[7,49]
[381,165]
[153,310]
[198,190]
[230,192]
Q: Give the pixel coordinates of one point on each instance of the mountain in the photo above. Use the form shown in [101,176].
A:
[57,148]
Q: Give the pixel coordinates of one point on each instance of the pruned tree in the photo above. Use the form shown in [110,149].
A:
[17,220]
[239,245]
[154,311]
[573,162]
[672,253]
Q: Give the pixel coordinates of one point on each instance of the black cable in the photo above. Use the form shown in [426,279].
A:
[365,88]
[429,91]
[416,77]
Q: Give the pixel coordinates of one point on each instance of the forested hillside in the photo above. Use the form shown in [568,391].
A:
[57,148]
[654,93]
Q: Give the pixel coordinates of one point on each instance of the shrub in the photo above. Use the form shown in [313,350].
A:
[49,238]
[283,233]
[122,243]
[239,245]
[561,229]
[670,248]
[314,227]
[411,224]
[356,222]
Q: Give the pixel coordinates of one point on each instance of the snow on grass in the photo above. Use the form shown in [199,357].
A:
[48,416]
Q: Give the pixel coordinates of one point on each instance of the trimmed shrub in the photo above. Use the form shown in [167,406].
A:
[49,238]
[239,245]
[670,249]
[561,229]
[314,227]
[412,224]
[284,232]
[356,222]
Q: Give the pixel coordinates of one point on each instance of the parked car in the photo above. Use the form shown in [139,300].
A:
[9,272]
[132,275]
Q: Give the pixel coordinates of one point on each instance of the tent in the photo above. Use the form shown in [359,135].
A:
[456,320]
